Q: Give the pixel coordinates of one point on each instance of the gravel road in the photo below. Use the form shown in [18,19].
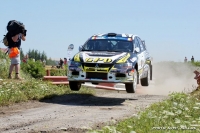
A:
[79,112]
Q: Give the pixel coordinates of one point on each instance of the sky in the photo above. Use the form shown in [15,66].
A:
[170,28]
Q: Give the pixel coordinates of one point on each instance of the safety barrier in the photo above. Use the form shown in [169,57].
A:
[63,80]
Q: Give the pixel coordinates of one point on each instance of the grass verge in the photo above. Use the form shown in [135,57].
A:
[14,91]
[180,113]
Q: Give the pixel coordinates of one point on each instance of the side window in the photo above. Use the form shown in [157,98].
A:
[142,48]
[136,44]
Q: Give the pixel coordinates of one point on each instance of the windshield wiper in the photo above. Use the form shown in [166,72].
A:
[86,50]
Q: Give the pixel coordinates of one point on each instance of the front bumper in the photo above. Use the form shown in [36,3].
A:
[109,77]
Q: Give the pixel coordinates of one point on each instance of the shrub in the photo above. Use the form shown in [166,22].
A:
[58,72]
[197,63]
[35,69]
[4,65]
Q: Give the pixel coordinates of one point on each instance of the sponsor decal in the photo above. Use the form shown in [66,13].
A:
[75,68]
[72,68]
[96,69]
[105,60]
[133,59]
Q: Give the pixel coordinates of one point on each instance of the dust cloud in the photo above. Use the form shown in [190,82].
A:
[170,77]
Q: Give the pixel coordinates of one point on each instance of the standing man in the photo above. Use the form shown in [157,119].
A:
[61,63]
[16,33]
[185,60]
[192,59]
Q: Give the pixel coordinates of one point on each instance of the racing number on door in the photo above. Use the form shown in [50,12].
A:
[105,60]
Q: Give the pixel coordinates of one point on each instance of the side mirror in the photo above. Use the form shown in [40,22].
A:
[137,49]
[80,48]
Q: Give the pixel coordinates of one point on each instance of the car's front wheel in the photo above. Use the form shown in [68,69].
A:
[131,87]
[151,72]
[145,81]
[74,86]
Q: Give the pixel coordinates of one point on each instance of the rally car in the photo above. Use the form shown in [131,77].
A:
[111,58]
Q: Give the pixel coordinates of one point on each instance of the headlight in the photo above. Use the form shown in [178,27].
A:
[121,66]
[74,63]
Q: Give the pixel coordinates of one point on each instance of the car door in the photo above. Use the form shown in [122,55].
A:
[141,54]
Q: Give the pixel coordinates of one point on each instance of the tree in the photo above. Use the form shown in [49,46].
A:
[37,55]
[21,53]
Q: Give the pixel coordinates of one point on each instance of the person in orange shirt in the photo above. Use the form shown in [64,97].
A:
[14,42]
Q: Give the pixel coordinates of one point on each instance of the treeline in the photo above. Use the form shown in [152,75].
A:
[37,55]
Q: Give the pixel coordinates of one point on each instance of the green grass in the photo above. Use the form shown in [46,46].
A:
[13,91]
[179,113]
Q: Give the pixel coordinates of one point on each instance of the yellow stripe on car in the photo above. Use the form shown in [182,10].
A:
[124,59]
[77,58]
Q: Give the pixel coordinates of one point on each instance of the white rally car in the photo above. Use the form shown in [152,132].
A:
[111,58]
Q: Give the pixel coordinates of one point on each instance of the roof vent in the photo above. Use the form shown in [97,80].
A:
[111,34]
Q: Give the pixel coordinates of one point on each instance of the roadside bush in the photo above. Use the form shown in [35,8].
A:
[35,69]
[59,72]
[197,63]
[4,65]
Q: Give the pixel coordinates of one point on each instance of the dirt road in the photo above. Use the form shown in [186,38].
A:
[78,112]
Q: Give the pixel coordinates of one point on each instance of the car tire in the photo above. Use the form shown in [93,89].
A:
[151,72]
[74,86]
[138,78]
[131,87]
[145,81]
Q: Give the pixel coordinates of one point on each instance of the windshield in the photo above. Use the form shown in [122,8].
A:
[108,45]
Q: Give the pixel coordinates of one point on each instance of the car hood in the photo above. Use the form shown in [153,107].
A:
[102,57]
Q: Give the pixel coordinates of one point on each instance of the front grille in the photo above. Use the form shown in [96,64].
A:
[120,75]
[96,75]
[97,67]
[75,73]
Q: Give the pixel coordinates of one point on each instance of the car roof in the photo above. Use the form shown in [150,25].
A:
[114,35]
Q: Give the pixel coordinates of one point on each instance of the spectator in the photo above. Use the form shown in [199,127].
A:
[185,60]
[25,59]
[192,59]
[14,42]
[44,62]
[65,61]
[61,63]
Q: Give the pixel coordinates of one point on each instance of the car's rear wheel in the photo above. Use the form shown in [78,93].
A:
[74,86]
[131,87]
